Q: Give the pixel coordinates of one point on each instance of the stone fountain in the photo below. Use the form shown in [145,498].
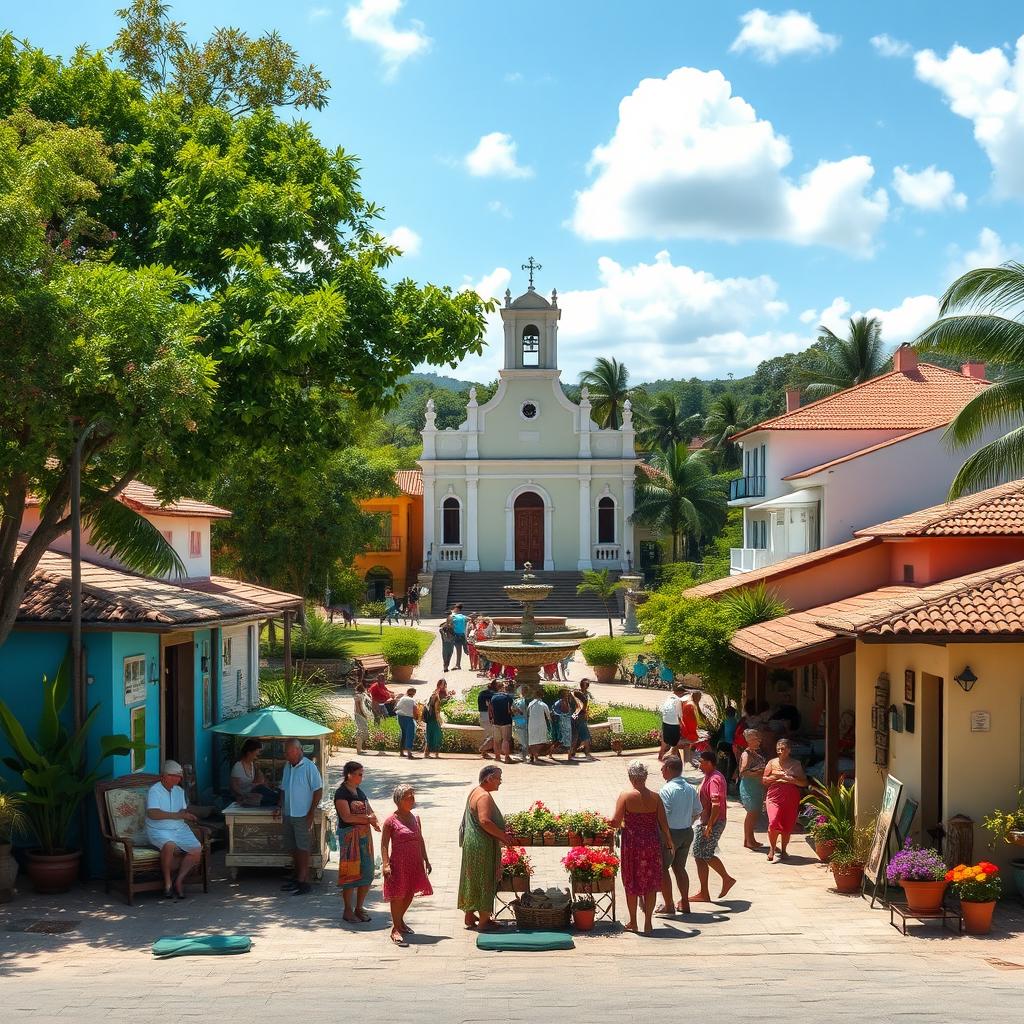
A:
[523,650]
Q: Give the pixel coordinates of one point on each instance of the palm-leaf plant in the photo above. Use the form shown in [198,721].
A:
[835,803]
[305,695]
[752,605]
[837,363]
[53,766]
[608,386]
[726,417]
[599,582]
[663,423]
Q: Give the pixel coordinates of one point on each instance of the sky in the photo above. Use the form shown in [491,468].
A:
[704,184]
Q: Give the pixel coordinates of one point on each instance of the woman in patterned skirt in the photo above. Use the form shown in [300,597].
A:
[403,861]
[640,814]
[482,836]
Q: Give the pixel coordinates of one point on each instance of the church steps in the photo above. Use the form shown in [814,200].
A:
[481,592]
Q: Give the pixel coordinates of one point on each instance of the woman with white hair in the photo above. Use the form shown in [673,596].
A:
[640,813]
[403,861]
[751,772]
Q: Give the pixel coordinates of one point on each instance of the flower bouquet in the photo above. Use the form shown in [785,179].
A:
[591,868]
[516,869]
[922,874]
[978,886]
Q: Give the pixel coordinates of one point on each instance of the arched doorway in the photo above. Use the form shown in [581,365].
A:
[378,579]
[528,513]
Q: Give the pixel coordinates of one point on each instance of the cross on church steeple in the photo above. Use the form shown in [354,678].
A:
[531,266]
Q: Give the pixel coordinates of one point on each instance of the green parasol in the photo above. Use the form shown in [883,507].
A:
[265,723]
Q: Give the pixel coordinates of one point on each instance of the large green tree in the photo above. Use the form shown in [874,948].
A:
[608,384]
[835,363]
[726,417]
[187,267]
[663,422]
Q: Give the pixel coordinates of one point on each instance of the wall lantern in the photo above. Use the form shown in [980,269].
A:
[966,679]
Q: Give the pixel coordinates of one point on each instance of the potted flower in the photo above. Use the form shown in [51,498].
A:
[603,654]
[848,858]
[379,738]
[401,650]
[922,874]
[1008,827]
[583,910]
[516,869]
[978,887]
[55,782]
[834,818]
[591,868]
[11,821]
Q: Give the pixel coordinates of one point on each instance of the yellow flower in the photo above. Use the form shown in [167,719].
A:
[981,878]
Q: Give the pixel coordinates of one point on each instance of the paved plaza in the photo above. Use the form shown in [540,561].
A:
[782,944]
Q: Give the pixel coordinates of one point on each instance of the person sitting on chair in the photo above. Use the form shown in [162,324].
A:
[248,786]
[167,818]
[640,670]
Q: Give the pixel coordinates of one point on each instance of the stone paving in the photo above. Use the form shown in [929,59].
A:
[781,944]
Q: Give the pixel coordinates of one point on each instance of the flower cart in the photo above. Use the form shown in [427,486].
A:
[592,872]
[516,870]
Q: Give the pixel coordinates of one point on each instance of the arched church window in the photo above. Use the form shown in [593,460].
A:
[606,521]
[531,345]
[451,521]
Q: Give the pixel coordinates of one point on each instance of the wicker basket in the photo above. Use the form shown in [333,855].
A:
[545,918]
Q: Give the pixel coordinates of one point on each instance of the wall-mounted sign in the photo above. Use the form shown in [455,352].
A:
[134,679]
[908,686]
[981,721]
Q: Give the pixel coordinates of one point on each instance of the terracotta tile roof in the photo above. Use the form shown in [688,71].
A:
[113,596]
[410,481]
[927,396]
[997,511]
[697,443]
[142,498]
[649,471]
[857,454]
[779,569]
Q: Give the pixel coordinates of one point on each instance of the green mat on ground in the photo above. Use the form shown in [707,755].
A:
[201,945]
[529,941]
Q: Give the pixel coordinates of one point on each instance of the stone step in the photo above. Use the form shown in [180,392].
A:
[481,592]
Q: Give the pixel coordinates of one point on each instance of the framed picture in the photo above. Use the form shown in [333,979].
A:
[134,679]
[207,701]
[137,731]
[879,851]
[908,685]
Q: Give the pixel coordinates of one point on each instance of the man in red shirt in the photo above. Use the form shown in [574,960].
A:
[709,830]
[382,700]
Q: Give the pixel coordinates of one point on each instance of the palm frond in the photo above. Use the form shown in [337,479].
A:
[120,531]
[1000,405]
[992,287]
[984,337]
[997,462]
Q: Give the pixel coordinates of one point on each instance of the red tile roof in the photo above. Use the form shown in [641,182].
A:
[926,396]
[779,569]
[143,498]
[857,454]
[997,511]
[410,481]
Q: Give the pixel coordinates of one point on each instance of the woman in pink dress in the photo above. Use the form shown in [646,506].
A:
[404,862]
[640,813]
[784,778]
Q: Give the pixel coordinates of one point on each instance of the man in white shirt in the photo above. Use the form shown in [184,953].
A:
[682,809]
[301,790]
[671,716]
[167,818]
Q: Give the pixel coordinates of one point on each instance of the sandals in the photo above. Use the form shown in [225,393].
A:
[362,915]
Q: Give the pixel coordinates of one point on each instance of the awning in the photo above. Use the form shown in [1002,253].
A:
[807,496]
[270,722]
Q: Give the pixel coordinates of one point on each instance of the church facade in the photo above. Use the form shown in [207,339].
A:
[528,476]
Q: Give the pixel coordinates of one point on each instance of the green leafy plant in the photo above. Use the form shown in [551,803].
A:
[852,848]
[372,610]
[584,903]
[833,802]
[12,818]
[600,583]
[1001,823]
[308,696]
[401,647]
[318,637]
[603,651]
[52,766]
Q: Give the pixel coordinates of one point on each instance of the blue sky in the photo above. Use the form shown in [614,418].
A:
[703,183]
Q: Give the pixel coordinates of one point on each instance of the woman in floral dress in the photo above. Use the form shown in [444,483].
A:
[403,861]
[640,814]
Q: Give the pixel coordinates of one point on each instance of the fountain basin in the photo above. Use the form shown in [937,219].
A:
[527,653]
[528,592]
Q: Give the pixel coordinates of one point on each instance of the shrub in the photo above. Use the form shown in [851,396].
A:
[318,637]
[603,650]
[401,647]
[458,712]
[307,696]
[372,610]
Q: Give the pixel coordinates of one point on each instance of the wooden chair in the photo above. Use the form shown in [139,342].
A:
[121,807]
[369,667]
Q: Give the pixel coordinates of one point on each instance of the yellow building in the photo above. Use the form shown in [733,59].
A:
[396,556]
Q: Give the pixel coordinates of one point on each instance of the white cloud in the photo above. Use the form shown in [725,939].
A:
[406,239]
[512,77]
[492,285]
[900,323]
[498,207]
[494,156]
[886,46]
[690,160]
[771,36]
[988,90]
[930,189]
[319,13]
[990,251]
[373,21]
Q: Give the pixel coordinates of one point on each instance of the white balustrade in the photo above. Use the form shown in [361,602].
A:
[607,553]
[449,553]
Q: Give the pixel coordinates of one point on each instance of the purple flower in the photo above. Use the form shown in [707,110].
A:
[915,864]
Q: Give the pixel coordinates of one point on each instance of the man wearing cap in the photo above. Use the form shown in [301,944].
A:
[167,818]
[301,790]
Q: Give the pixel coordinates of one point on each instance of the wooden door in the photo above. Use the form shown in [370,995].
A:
[179,703]
[529,530]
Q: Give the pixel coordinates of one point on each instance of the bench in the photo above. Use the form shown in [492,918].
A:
[370,667]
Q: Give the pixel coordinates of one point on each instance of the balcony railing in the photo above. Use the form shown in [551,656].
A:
[606,553]
[747,559]
[746,487]
[448,553]
[386,544]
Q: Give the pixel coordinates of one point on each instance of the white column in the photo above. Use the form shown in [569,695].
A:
[510,536]
[628,483]
[428,523]
[585,561]
[472,563]
[549,517]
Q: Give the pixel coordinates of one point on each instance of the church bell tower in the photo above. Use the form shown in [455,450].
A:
[531,328]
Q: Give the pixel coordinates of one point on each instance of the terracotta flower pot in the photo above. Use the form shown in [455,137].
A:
[977,916]
[847,877]
[588,839]
[583,919]
[515,883]
[824,848]
[53,873]
[549,838]
[605,673]
[924,897]
[574,838]
[525,840]
[401,673]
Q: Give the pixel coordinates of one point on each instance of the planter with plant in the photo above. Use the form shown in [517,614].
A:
[516,869]
[56,780]
[922,874]
[591,869]
[978,887]
[583,910]
[1008,827]
[401,650]
[12,821]
[834,818]
[848,858]
[603,654]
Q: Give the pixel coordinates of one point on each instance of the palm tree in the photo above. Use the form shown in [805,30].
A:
[836,363]
[973,327]
[682,497]
[597,581]
[662,423]
[608,383]
[725,418]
